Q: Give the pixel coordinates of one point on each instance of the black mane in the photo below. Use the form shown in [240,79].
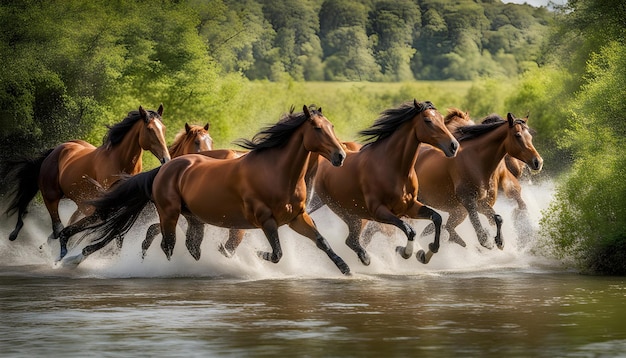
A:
[278,134]
[487,125]
[392,119]
[117,131]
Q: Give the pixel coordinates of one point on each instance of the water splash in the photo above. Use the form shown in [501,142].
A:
[301,258]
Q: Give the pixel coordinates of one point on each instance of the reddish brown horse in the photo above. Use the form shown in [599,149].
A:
[379,183]
[79,171]
[192,139]
[508,171]
[262,189]
[465,185]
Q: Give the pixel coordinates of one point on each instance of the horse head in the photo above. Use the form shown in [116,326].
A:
[319,137]
[519,143]
[430,128]
[152,134]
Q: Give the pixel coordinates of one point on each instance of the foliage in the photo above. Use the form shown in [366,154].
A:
[587,220]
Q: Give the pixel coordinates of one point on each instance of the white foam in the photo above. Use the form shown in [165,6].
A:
[301,258]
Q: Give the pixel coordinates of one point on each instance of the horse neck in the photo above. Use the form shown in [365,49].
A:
[488,150]
[289,161]
[128,152]
[400,150]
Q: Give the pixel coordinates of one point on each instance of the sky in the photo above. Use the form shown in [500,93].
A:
[536,3]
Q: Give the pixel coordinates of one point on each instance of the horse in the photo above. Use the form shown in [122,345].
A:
[79,171]
[192,139]
[509,170]
[263,189]
[465,185]
[378,182]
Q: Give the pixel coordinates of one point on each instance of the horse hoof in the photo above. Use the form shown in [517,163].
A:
[343,267]
[365,258]
[400,250]
[434,248]
[72,261]
[500,244]
[12,237]
[421,257]
[458,240]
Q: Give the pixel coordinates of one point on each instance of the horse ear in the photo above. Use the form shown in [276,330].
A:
[415,103]
[319,110]
[511,119]
[160,110]
[206,126]
[143,113]
[305,109]
[187,128]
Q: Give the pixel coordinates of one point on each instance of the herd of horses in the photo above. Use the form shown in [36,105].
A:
[282,175]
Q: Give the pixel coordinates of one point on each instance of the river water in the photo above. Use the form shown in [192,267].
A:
[465,302]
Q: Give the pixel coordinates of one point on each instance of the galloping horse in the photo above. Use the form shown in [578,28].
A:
[378,182]
[191,139]
[262,189]
[508,171]
[465,185]
[78,170]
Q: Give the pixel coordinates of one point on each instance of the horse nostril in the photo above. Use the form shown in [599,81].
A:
[454,146]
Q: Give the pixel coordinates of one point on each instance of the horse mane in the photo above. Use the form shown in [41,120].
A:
[391,119]
[279,133]
[180,137]
[487,125]
[117,131]
[454,112]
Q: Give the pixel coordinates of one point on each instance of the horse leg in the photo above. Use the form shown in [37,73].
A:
[235,237]
[494,219]
[455,218]
[355,225]
[71,230]
[419,211]
[270,229]
[151,233]
[303,225]
[195,235]
[384,215]
[472,210]
[371,228]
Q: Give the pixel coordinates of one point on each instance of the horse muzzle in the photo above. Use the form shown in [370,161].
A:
[536,164]
[450,151]
[337,158]
[165,159]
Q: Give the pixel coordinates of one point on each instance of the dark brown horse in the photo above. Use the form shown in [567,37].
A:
[262,189]
[378,182]
[79,171]
[465,185]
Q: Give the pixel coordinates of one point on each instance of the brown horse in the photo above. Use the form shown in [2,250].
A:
[192,139]
[262,189]
[379,183]
[508,171]
[465,185]
[78,170]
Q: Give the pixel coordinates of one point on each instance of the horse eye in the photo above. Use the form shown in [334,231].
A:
[518,135]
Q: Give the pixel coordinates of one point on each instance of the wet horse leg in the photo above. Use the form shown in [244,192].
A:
[235,237]
[71,230]
[456,217]
[420,211]
[494,219]
[371,228]
[151,233]
[194,236]
[384,215]
[471,206]
[270,229]
[303,225]
[355,225]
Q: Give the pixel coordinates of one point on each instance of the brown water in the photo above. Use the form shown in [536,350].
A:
[466,302]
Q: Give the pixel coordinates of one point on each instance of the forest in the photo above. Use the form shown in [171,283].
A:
[71,67]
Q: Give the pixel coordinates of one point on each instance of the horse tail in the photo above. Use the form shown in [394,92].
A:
[120,207]
[21,177]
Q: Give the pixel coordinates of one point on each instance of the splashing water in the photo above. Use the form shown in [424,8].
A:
[301,258]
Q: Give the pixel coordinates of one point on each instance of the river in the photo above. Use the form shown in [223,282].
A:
[466,302]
